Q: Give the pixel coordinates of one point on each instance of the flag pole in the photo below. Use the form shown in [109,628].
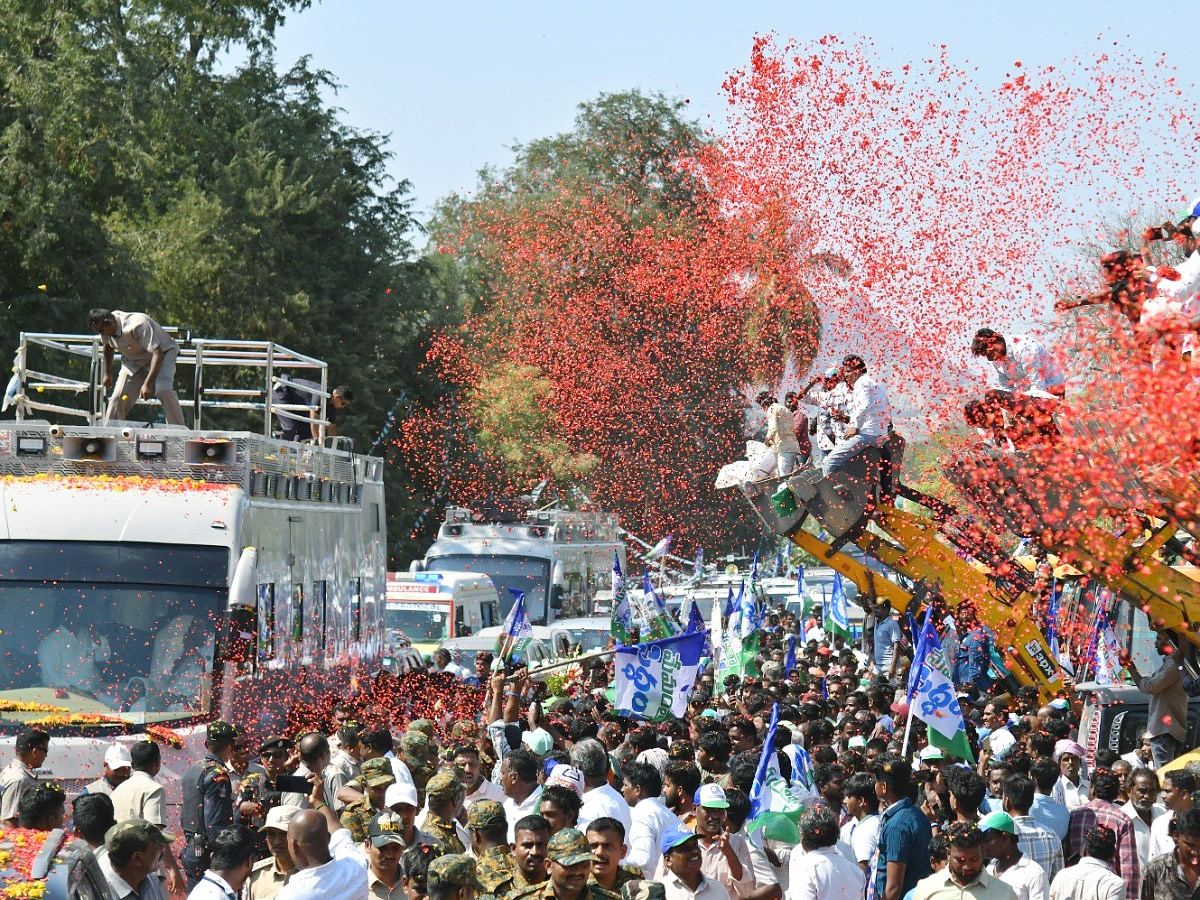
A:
[563,663]
[907,731]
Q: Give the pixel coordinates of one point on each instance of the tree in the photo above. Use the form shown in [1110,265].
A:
[604,285]
[137,174]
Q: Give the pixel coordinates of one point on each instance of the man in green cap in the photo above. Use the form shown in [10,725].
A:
[452,877]
[569,862]
[1008,863]
[134,849]
[420,755]
[376,777]
[207,800]
[488,827]
[444,795]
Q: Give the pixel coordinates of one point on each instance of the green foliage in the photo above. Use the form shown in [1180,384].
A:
[136,174]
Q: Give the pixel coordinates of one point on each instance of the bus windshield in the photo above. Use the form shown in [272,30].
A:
[89,631]
[521,573]
[421,622]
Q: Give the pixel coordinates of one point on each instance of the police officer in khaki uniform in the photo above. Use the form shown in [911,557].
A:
[444,794]
[452,877]
[376,777]
[148,357]
[268,876]
[570,864]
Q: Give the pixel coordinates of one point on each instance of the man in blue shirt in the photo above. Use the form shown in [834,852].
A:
[887,641]
[973,660]
[902,855]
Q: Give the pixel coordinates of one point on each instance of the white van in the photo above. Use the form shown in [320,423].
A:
[427,608]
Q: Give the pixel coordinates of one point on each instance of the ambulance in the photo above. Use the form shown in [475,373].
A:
[426,608]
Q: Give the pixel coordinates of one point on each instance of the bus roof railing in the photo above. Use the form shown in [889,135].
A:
[279,364]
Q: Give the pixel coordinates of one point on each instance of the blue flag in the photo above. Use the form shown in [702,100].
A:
[517,631]
[654,679]
[933,700]
[839,614]
[778,562]
[801,587]
[731,602]
[789,661]
[774,809]
[922,640]
[695,619]
[698,568]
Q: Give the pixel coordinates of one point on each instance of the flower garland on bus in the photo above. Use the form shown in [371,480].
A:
[122,482]
[19,848]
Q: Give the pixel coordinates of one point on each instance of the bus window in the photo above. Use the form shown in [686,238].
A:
[298,613]
[355,609]
[266,621]
[487,614]
[320,611]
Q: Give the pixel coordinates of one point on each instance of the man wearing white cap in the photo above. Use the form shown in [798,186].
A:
[401,799]
[725,856]
[568,777]
[117,766]
[269,876]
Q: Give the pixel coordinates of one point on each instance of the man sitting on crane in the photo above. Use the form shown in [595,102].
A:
[868,416]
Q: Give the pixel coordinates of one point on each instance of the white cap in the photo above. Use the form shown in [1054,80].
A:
[278,817]
[567,776]
[117,757]
[400,792]
[831,371]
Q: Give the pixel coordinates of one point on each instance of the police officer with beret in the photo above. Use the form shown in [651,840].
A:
[207,800]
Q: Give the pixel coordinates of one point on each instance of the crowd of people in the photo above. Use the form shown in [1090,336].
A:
[560,797]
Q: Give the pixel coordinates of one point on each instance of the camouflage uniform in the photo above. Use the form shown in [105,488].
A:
[443,787]
[643,890]
[625,874]
[357,816]
[455,870]
[495,869]
[420,755]
[567,848]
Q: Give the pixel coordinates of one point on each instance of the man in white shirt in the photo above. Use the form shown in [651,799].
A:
[781,434]
[1019,363]
[117,765]
[1071,789]
[1175,304]
[1008,864]
[683,877]
[868,417]
[861,832]
[1142,809]
[1140,757]
[444,662]
[1178,787]
[466,761]
[821,872]
[642,789]
[832,400]
[233,852]
[68,654]
[329,865]
[600,799]
[1092,878]
[519,780]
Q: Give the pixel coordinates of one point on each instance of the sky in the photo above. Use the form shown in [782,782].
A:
[456,84]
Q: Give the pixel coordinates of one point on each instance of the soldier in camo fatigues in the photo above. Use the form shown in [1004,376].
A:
[489,844]
[570,867]
[445,795]
[455,870]
[376,778]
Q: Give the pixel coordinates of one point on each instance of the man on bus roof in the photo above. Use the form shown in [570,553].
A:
[148,357]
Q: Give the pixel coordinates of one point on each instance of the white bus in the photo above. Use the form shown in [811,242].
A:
[559,558]
[160,576]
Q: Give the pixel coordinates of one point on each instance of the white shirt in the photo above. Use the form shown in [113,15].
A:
[515,811]
[709,889]
[212,887]
[1071,796]
[1175,301]
[604,801]
[829,429]
[487,790]
[1089,879]
[1141,831]
[825,874]
[399,769]
[781,429]
[651,820]
[1025,877]
[1160,840]
[149,889]
[1026,366]
[862,836]
[342,878]
[870,414]
[67,660]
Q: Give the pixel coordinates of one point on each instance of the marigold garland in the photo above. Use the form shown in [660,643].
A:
[19,848]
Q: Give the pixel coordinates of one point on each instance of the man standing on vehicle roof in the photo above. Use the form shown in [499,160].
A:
[207,800]
[148,357]
[1167,720]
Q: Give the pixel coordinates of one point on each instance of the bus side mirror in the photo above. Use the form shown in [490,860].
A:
[239,641]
